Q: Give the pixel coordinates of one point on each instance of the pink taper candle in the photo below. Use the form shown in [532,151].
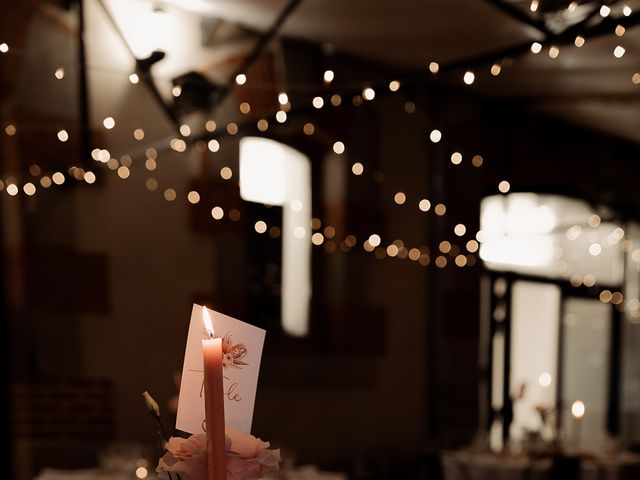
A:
[214,403]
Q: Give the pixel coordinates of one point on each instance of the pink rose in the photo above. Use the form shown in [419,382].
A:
[186,455]
[247,456]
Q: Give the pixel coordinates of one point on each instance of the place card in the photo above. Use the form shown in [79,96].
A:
[242,351]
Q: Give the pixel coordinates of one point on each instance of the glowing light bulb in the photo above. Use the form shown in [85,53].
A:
[536,47]
[109,123]
[241,79]
[469,77]
[369,93]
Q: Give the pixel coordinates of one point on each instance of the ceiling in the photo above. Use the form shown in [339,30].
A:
[587,85]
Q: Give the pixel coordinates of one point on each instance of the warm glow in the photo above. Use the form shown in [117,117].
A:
[369,93]
[554,52]
[400,198]
[495,69]
[58,178]
[206,319]
[213,145]
[138,134]
[435,136]
[394,85]
[424,205]
[241,79]
[169,194]
[456,158]
[217,213]
[619,51]
[357,168]
[283,98]
[318,102]
[317,238]
[504,186]
[328,76]
[579,41]
[4,48]
[185,130]
[605,10]
[374,240]
[109,123]
[620,31]
[308,129]
[226,173]
[460,230]
[281,116]
[59,74]
[141,472]
[595,249]
[193,197]
[440,209]
[133,78]
[29,189]
[626,11]
[63,136]
[232,128]
[536,47]
[544,379]
[338,147]
[469,77]
[123,172]
[534,5]
[151,184]
[12,189]
[577,409]
[434,67]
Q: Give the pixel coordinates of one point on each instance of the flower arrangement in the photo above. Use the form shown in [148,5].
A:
[248,457]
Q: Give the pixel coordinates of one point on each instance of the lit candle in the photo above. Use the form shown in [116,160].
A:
[214,402]
[577,411]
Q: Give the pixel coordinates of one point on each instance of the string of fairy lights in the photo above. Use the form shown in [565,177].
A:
[448,252]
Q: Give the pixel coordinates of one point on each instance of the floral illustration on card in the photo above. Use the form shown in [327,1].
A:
[233,354]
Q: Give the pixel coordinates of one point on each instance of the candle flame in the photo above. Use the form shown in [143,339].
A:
[207,321]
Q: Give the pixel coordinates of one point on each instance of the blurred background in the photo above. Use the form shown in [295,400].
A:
[430,206]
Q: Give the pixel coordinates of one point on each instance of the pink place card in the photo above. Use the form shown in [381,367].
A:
[242,350]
